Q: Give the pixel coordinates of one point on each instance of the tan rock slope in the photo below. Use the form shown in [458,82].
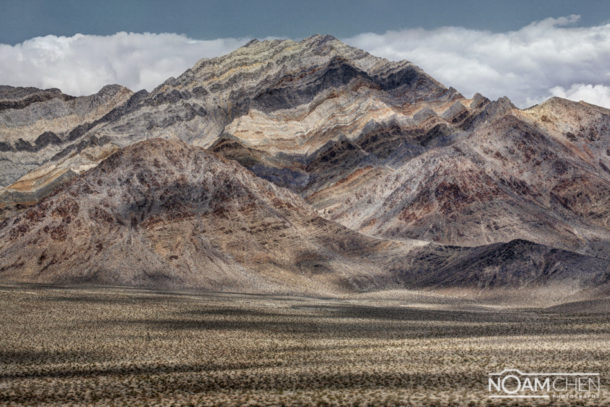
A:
[35,125]
[378,147]
[269,76]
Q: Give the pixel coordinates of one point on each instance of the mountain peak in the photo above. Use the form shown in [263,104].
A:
[321,38]
[253,41]
[319,132]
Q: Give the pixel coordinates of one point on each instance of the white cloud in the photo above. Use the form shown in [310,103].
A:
[540,60]
[82,64]
[596,94]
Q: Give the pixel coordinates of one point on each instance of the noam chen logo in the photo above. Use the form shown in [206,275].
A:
[512,383]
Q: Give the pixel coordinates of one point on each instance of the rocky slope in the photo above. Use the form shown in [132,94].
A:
[378,147]
[35,127]
[282,78]
[161,213]
[35,123]
[506,179]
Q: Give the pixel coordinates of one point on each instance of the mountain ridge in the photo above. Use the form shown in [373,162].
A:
[374,147]
[163,214]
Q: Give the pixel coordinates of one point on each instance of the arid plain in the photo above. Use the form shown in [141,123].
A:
[120,346]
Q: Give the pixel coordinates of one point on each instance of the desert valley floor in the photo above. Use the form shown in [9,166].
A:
[126,346]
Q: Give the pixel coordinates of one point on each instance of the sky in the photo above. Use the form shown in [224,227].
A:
[526,50]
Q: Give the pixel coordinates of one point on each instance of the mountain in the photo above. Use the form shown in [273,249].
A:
[35,122]
[35,125]
[199,105]
[161,213]
[508,178]
[383,176]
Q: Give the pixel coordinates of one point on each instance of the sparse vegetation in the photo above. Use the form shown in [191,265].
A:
[105,346]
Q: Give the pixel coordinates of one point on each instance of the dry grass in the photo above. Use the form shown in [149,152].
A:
[131,347]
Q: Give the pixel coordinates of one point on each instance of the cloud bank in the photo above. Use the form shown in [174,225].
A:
[82,64]
[547,58]
[552,57]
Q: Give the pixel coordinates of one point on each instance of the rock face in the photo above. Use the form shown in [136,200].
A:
[506,179]
[36,124]
[374,153]
[162,213]
[269,77]
[39,146]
